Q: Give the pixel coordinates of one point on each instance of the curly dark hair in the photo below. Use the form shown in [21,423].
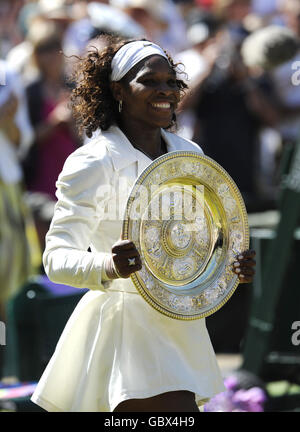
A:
[92,100]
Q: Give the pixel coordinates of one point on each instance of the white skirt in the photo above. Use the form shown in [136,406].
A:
[117,347]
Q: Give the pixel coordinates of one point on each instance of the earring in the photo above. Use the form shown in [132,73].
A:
[120,106]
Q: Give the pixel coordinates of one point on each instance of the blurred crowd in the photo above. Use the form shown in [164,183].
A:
[239,57]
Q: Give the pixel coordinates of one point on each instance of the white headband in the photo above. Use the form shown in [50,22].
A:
[130,54]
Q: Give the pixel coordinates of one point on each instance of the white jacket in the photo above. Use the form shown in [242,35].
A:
[91,177]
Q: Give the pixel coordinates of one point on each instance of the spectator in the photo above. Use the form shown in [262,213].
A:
[197,60]
[234,13]
[15,139]
[97,18]
[285,77]
[267,9]
[162,21]
[60,12]
[36,18]
[231,107]
[10,33]
[42,209]
[50,116]
[276,49]
[21,58]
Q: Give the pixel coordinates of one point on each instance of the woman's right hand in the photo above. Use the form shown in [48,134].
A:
[125,258]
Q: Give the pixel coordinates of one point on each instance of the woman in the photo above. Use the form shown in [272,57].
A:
[50,117]
[15,139]
[117,353]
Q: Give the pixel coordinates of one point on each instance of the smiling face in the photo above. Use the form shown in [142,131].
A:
[149,93]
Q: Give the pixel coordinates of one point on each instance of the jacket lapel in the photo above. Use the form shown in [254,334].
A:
[121,150]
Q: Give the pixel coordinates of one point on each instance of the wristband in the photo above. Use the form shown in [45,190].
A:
[109,270]
[117,272]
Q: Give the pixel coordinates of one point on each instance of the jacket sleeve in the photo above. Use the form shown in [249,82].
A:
[82,194]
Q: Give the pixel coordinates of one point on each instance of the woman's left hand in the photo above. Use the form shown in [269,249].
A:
[244,266]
